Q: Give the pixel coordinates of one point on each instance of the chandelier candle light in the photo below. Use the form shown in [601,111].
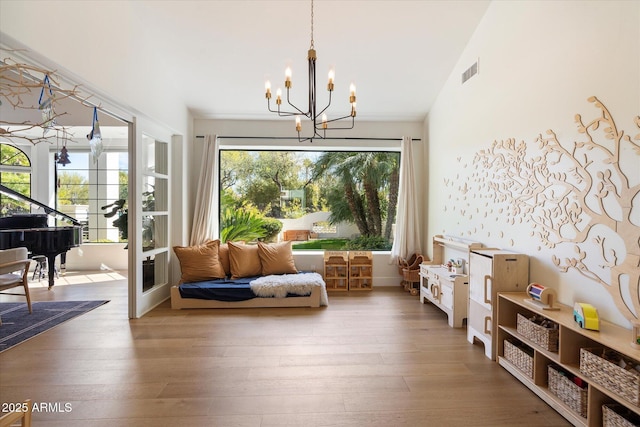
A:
[319,118]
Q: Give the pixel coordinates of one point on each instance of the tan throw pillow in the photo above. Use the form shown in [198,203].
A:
[244,260]
[224,258]
[276,258]
[200,262]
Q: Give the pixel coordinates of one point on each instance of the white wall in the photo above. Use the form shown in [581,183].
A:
[105,46]
[539,61]
[97,257]
[343,229]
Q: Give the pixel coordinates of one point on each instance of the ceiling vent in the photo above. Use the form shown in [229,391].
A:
[470,72]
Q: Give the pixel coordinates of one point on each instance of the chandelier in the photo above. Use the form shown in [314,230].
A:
[319,118]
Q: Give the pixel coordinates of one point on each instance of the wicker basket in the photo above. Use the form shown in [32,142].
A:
[404,263]
[412,276]
[574,396]
[516,353]
[614,415]
[546,338]
[410,262]
[610,375]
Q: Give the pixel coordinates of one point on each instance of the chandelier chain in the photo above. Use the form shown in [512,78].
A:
[320,122]
[311,25]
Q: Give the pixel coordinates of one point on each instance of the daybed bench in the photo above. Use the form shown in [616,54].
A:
[240,276]
[227,293]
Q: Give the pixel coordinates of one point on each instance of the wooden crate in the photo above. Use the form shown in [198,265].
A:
[360,270]
[297,235]
[336,270]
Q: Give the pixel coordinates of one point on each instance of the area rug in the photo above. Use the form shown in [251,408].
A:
[18,325]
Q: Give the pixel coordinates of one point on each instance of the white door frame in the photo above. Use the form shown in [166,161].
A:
[140,302]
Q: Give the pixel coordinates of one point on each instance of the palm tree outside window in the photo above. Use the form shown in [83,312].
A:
[355,193]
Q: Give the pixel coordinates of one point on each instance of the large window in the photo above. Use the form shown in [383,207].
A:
[95,193]
[15,173]
[321,199]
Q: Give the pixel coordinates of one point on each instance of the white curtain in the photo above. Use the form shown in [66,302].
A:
[205,218]
[407,234]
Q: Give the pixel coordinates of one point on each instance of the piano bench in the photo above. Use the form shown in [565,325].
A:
[41,268]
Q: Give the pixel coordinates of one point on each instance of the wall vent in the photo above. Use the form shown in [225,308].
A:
[470,72]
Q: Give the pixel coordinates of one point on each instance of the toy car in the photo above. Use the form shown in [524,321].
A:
[586,316]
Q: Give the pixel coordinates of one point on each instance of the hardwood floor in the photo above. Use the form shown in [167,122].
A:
[369,359]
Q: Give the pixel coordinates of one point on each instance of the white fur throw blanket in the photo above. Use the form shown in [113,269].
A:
[279,285]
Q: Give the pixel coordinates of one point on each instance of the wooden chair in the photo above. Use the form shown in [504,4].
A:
[21,413]
[14,271]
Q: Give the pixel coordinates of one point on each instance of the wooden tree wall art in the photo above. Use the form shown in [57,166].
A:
[20,85]
[585,194]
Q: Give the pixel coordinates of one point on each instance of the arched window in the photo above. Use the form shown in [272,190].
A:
[15,173]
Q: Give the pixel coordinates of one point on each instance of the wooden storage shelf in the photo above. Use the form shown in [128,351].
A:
[360,270]
[348,270]
[336,270]
[571,339]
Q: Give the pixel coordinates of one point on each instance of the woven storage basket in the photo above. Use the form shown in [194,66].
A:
[410,275]
[571,394]
[614,415]
[518,357]
[413,262]
[610,375]
[546,338]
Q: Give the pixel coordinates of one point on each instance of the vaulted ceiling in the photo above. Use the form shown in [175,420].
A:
[397,53]
[216,55]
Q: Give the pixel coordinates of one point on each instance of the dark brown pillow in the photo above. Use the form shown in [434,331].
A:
[200,262]
[276,258]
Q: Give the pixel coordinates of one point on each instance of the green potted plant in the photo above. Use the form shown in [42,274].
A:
[122,221]
[120,208]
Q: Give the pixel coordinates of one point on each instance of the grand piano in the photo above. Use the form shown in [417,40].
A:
[33,231]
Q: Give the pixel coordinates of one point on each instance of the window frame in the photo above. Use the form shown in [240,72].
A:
[17,169]
[104,232]
[373,148]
